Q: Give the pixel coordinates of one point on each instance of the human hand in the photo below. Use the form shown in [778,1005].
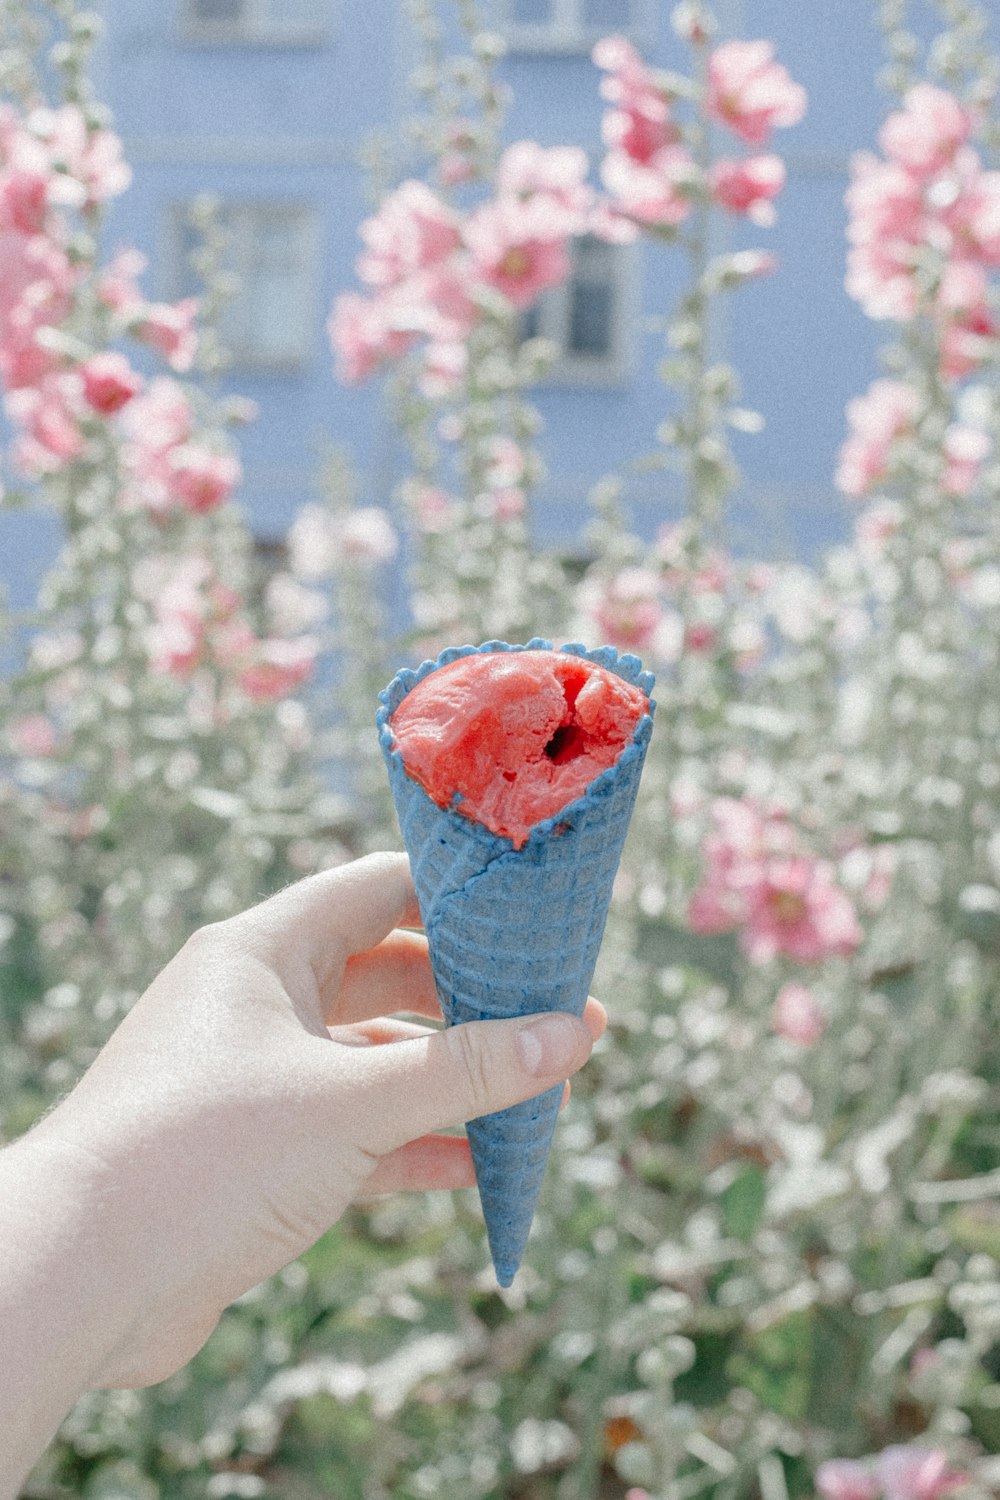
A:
[258,1087]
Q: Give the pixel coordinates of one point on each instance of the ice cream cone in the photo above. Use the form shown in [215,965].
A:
[513,932]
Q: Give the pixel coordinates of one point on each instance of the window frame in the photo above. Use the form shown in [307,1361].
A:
[567,32]
[242,359]
[259,26]
[554,309]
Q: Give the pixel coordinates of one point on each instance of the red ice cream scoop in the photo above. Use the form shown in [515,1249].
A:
[509,738]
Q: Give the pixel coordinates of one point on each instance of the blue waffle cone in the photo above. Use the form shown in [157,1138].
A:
[513,932]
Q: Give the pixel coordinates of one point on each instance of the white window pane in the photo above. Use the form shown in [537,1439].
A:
[611,15]
[590,333]
[532,12]
[296,15]
[219,12]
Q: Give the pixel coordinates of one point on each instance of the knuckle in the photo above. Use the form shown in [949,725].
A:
[467,1041]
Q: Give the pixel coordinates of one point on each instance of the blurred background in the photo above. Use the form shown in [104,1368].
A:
[292,113]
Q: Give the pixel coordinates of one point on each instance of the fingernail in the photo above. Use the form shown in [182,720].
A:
[549,1045]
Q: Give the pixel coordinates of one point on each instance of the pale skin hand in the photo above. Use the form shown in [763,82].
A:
[257,1089]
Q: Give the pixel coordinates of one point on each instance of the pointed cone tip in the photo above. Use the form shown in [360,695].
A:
[506,1274]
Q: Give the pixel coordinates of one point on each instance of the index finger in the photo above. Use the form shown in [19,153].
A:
[326,918]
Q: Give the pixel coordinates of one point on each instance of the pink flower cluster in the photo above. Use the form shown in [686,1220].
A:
[431,269]
[878,420]
[929,191]
[758,878]
[198,621]
[902,1472]
[649,172]
[167,465]
[52,164]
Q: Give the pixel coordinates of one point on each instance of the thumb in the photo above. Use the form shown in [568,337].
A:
[411,1087]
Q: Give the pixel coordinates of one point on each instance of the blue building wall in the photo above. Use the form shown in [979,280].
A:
[278,120]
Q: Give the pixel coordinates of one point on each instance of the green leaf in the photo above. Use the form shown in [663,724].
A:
[743,1203]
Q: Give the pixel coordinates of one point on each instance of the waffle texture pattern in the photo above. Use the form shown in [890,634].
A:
[512,932]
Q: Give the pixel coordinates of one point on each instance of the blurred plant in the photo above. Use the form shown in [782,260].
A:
[768,1260]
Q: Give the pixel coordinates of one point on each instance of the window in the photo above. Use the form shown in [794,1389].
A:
[289,22]
[271,248]
[588,317]
[570,25]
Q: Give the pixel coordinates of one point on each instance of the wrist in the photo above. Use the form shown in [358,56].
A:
[62,1289]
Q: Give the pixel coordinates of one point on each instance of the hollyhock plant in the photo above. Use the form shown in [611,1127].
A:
[876,420]
[798,1016]
[750,93]
[170,329]
[519,247]
[748,186]
[783,900]
[109,383]
[924,136]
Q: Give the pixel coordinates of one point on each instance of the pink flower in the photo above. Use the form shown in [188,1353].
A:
[519,248]
[280,667]
[655,193]
[914,1473]
[367,536]
[363,336]
[412,231]
[558,172]
[887,224]
[117,285]
[965,320]
[747,186]
[799,1017]
[445,364]
[50,435]
[201,480]
[881,520]
[876,420]
[757,879]
[93,157]
[24,201]
[925,134]
[432,508]
[33,735]
[109,383]
[797,908]
[973,215]
[170,329]
[965,451]
[639,125]
[626,608]
[846,1479]
[750,92]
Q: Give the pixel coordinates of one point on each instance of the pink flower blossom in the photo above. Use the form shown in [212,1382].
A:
[973,214]
[965,320]
[445,364]
[412,231]
[909,1472]
[798,1016]
[109,383]
[170,329]
[33,735]
[751,93]
[881,520]
[639,125]
[433,509]
[527,169]
[93,157]
[747,186]
[50,435]
[876,420]
[280,666]
[846,1479]
[658,192]
[117,285]
[626,608]
[965,451]
[363,335]
[782,899]
[367,536]
[887,224]
[519,248]
[200,479]
[925,134]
